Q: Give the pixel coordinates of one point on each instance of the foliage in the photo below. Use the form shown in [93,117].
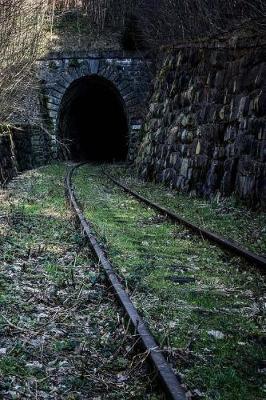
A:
[25,27]
[21,28]
[168,21]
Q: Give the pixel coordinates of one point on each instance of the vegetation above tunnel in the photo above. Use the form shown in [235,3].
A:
[30,28]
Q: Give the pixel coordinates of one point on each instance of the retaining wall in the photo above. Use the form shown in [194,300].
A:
[205,131]
[17,152]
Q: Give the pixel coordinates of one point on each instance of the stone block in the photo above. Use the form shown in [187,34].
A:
[230,134]
[234,108]
[262,152]
[229,177]
[260,103]
[52,106]
[184,167]
[245,186]
[187,136]
[230,150]
[243,107]
[260,78]
[219,79]
[218,153]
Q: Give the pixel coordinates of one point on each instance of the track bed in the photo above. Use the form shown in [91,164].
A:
[204,306]
[62,334]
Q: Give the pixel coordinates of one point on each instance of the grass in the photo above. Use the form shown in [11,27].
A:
[223,216]
[211,327]
[62,333]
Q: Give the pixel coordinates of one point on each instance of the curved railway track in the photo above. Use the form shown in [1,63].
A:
[229,245]
[168,379]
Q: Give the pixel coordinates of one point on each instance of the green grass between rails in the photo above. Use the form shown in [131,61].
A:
[212,328]
[222,216]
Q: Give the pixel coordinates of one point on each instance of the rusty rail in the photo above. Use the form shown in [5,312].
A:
[172,386]
[233,247]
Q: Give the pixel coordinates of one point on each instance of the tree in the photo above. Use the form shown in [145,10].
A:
[21,29]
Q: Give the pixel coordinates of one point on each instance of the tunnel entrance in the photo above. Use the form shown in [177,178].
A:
[92,121]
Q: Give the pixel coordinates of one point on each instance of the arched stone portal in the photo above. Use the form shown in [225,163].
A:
[94,102]
[92,121]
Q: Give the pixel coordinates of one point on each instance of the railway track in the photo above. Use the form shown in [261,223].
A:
[229,245]
[167,377]
[200,289]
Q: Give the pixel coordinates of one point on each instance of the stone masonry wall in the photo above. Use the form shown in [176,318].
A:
[206,127]
[130,74]
[16,153]
[8,166]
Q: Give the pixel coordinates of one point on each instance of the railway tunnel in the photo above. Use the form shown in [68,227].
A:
[92,121]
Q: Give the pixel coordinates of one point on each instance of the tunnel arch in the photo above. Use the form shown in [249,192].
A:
[92,121]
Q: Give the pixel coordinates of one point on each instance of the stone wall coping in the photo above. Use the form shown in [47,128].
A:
[94,54]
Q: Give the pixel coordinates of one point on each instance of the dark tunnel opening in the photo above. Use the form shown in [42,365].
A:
[92,121]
